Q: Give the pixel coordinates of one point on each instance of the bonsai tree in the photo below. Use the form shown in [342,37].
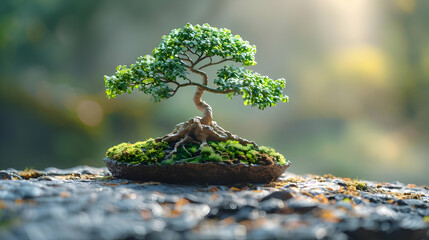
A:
[191,50]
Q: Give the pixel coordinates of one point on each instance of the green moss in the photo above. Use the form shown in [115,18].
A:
[148,151]
[358,185]
[214,157]
[168,162]
[207,150]
[361,186]
[229,152]
[267,150]
[192,148]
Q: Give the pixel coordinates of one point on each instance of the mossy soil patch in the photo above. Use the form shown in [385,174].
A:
[230,152]
[216,163]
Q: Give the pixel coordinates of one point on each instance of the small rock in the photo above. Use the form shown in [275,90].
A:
[86,171]
[271,205]
[341,197]
[157,225]
[166,234]
[229,206]
[246,213]
[388,213]
[28,191]
[344,204]
[196,199]
[182,223]
[357,200]
[30,174]
[45,178]
[282,195]
[316,192]
[7,195]
[266,234]
[413,223]
[377,198]
[340,182]
[423,212]
[4,175]
[301,206]
[413,202]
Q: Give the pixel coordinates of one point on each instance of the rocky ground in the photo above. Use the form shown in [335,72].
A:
[87,203]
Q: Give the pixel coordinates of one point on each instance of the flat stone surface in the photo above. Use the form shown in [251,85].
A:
[87,203]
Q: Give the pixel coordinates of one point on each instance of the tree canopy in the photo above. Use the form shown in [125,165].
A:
[192,49]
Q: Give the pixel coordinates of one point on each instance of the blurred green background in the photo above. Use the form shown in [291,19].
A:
[357,72]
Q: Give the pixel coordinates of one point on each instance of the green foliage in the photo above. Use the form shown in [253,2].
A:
[229,152]
[144,75]
[205,40]
[257,90]
[172,60]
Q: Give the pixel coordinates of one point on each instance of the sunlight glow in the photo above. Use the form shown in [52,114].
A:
[363,63]
[90,112]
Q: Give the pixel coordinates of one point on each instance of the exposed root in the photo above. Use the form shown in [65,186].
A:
[178,145]
[193,131]
[232,136]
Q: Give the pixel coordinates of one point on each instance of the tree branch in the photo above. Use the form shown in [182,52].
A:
[174,91]
[162,79]
[189,80]
[187,57]
[184,59]
[205,88]
[199,60]
[202,74]
[191,50]
[212,63]
[184,64]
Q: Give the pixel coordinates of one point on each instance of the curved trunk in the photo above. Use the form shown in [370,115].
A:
[203,107]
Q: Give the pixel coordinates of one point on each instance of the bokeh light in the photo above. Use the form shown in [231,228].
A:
[90,112]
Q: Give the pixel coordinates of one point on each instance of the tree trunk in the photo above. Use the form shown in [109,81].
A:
[198,130]
[203,107]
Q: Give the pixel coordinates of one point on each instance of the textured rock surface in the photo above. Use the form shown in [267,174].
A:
[86,203]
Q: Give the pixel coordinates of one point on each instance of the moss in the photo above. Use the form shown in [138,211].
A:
[148,152]
[168,162]
[192,148]
[228,152]
[194,160]
[214,157]
[207,150]
[30,173]
[358,185]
